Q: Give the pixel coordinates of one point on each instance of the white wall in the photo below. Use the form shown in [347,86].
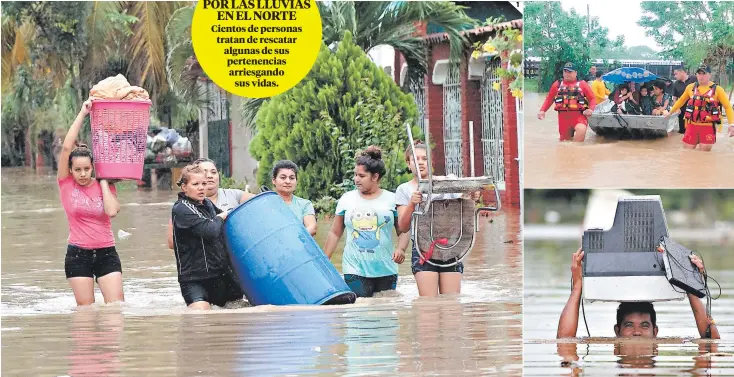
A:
[243,165]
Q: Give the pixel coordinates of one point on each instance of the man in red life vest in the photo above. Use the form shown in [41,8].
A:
[574,101]
[703,102]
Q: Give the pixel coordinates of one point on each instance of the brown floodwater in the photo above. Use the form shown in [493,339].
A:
[476,333]
[602,162]
[677,351]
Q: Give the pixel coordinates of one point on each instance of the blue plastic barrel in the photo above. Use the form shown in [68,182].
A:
[276,259]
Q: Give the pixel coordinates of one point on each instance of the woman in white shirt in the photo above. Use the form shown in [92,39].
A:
[225,199]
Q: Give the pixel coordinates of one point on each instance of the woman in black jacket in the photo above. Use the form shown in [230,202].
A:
[204,269]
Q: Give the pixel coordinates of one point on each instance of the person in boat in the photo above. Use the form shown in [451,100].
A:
[682,80]
[224,199]
[633,319]
[89,204]
[661,101]
[574,101]
[285,178]
[601,92]
[645,100]
[592,74]
[625,101]
[204,269]
[368,214]
[703,103]
[431,280]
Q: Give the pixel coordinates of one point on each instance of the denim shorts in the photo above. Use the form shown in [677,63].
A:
[215,291]
[367,287]
[93,263]
[417,267]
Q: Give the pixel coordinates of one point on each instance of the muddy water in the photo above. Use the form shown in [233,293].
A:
[475,333]
[677,351]
[605,163]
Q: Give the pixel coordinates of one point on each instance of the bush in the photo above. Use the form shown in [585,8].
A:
[325,206]
[344,104]
[229,183]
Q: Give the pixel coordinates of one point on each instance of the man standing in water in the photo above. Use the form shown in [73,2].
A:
[601,92]
[592,74]
[574,102]
[633,318]
[682,80]
[703,101]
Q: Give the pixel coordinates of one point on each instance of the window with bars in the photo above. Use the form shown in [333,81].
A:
[419,94]
[452,122]
[492,124]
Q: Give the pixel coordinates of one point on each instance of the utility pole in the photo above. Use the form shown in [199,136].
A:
[588,31]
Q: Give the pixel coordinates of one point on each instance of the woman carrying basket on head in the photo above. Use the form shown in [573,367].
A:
[431,279]
[89,205]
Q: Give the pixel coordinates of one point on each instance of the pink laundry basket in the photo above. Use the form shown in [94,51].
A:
[119,135]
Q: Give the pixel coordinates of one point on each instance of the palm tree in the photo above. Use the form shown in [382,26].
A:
[70,46]
[391,23]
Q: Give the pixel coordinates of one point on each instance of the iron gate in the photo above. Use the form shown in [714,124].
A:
[452,122]
[493,125]
[218,129]
[419,94]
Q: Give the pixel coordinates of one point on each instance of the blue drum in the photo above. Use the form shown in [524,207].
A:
[276,259]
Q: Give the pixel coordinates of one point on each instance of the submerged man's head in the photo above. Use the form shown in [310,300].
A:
[636,319]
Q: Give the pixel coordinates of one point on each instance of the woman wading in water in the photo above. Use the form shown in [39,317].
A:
[431,279]
[285,180]
[224,199]
[204,271]
[368,214]
[89,205]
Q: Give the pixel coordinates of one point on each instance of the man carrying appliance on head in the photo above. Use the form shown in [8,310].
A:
[634,319]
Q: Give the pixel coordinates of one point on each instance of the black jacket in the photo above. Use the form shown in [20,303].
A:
[198,240]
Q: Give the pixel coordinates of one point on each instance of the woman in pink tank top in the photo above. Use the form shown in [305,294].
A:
[89,205]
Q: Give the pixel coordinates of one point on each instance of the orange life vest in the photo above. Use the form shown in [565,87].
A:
[703,108]
[570,98]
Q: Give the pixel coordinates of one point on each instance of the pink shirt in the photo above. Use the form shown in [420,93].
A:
[89,226]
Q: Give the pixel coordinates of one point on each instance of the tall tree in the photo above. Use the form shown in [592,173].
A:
[694,31]
[557,36]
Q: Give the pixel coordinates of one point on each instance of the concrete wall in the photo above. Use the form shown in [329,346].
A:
[244,167]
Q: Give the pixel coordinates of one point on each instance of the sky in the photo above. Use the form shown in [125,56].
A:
[620,17]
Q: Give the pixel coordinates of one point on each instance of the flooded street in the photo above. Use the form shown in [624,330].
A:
[605,163]
[677,351]
[478,332]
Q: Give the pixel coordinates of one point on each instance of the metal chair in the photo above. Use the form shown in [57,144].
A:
[441,226]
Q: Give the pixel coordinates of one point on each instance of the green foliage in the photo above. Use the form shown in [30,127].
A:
[325,206]
[391,23]
[227,182]
[63,48]
[557,37]
[694,31]
[344,104]
[634,53]
[508,44]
